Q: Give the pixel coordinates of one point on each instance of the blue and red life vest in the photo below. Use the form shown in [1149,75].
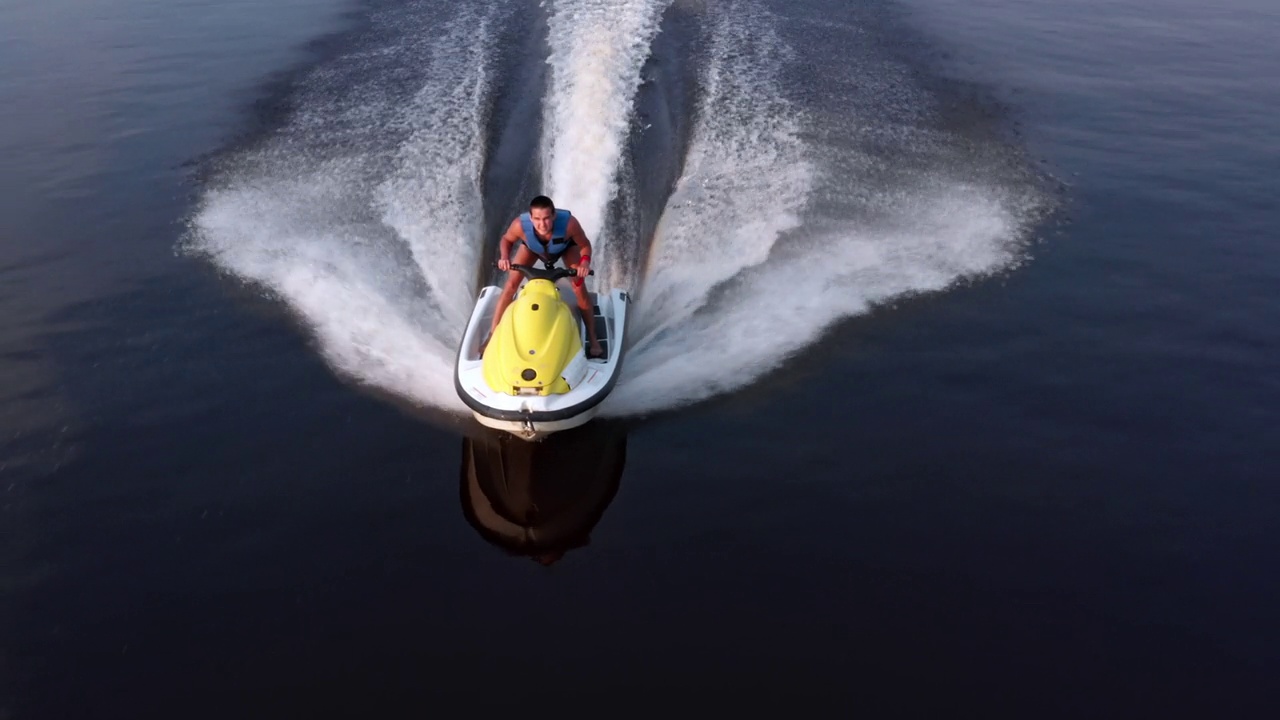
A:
[551,250]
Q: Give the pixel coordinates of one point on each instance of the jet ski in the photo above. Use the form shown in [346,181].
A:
[535,378]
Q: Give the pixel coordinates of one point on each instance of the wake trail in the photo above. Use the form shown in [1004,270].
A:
[746,180]
[363,213]
[598,49]
[786,221]
[796,207]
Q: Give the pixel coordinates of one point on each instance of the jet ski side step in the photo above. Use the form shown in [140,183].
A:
[602,329]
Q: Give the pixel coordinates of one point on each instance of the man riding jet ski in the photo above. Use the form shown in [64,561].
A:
[528,363]
[548,235]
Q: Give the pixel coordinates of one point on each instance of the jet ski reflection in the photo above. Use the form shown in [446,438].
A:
[541,499]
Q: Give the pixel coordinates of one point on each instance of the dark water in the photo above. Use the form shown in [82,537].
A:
[995,426]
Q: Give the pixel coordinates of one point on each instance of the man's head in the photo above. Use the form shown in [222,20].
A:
[543,213]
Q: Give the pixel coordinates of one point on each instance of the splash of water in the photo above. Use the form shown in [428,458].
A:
[746,180]
[363,214]
[598,49]
[753,260]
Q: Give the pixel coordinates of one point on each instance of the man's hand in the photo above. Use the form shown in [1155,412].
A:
[583,268]
[504,264]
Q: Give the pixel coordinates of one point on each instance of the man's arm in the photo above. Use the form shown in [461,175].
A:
[514,233]
[579,236]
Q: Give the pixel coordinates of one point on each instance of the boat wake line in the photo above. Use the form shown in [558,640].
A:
[364,212]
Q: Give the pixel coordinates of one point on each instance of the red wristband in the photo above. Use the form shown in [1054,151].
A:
[585,259]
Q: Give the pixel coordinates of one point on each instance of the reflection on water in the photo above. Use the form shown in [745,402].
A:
[541,499]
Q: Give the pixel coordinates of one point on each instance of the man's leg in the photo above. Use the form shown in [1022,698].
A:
[571,258]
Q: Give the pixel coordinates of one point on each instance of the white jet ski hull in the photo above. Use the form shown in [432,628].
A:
[533,417]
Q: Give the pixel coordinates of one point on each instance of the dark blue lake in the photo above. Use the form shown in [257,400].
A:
[952,385]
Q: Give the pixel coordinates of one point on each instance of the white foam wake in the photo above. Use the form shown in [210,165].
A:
[746,179]
[751,263]
[598,48]
[363,213]
[372,242]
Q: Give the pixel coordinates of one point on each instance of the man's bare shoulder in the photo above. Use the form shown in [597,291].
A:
[515,229]
[574,227]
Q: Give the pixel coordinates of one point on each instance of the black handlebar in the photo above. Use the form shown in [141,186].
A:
[552,274]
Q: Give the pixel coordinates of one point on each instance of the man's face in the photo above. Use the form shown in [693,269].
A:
[542,219]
